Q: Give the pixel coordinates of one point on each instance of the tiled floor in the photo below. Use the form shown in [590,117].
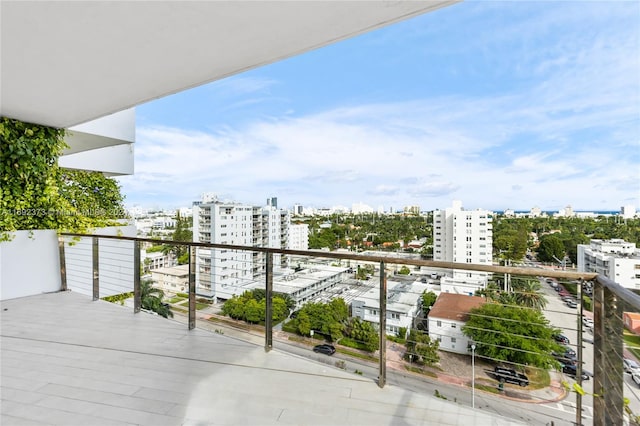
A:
[69,361]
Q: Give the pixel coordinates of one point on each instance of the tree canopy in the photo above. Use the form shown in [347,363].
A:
[251,307]
[512,334]
[421,349]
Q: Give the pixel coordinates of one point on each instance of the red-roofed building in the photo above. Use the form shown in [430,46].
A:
[446,318]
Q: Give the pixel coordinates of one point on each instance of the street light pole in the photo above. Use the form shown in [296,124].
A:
[473,376]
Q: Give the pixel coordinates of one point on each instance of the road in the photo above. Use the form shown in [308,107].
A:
[560,413]
[565,318]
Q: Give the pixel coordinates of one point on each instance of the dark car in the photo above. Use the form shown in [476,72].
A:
[561,338]
[572,370]
[325,349]
[509,375]
[564,359]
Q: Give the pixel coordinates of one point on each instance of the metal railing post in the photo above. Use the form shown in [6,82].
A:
[137,293]
[579,354]
[382,377]
[192,287]
[63,264]
[268,319]
[95,258]
[608,401]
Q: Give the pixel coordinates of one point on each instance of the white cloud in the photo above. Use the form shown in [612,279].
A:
[565,132]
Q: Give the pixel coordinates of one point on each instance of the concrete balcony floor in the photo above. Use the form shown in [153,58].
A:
[67,360]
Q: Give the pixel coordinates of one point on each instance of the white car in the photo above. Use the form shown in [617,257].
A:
[636,378]
[630,366]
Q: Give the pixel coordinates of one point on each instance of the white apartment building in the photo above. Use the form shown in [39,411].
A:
[616,259]
[307,283]
[446,318]
[463,236]
[299,236]
[403,305]
[239,224]
[156,259]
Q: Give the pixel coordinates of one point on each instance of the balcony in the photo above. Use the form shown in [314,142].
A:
[70,358]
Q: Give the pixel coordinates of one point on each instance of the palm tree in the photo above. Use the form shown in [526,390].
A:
[528,293]
[151,298]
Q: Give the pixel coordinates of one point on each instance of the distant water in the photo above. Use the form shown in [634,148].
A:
[551,213]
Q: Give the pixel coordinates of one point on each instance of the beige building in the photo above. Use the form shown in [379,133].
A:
[173,279]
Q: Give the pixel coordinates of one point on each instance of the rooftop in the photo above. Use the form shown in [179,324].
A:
[455,306]
[69,360]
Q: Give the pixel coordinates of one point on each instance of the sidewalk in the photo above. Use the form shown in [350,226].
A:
[554,392]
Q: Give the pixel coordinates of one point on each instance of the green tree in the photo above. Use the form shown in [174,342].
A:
[251,307]
[151,299]
[421,349]
[404,270]
[182,232]
[512,334]
[550,248]
[528,293]
[327,319]
[364,333]
[254,311]
[428,299]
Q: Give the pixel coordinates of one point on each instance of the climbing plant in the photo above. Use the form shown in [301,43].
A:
[37,194]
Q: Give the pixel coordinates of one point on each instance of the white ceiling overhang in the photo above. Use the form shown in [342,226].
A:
[64,63]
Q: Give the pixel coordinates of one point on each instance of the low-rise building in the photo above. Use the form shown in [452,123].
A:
[172,280]
[306,283]
[446,318]
[156,259]
[403,305]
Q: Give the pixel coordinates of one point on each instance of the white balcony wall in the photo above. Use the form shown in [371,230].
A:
[29,264]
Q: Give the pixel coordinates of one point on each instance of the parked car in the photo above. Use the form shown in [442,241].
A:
[564,359]
[572,304]
[509,375]
[572,370]
[587,322]
[561,338]
[630,366]
[636,378]
[325,349]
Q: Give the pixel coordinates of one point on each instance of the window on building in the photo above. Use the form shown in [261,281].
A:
[453,325]
[453,340]
[439,323]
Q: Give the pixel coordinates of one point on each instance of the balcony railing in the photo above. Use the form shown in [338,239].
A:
[609,404]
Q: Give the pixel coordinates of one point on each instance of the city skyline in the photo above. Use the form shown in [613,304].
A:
[542,113]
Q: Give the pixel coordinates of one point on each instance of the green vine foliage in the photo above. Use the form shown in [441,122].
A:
[37,194]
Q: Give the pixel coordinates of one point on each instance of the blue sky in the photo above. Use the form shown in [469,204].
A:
[498,104]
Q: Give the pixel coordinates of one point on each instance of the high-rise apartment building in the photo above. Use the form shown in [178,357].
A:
[463,236]
[616,259]
[299,236]
[233,223]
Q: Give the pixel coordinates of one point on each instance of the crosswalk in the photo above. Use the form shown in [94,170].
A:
[570,407]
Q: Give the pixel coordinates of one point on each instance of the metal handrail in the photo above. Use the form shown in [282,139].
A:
[608,325]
